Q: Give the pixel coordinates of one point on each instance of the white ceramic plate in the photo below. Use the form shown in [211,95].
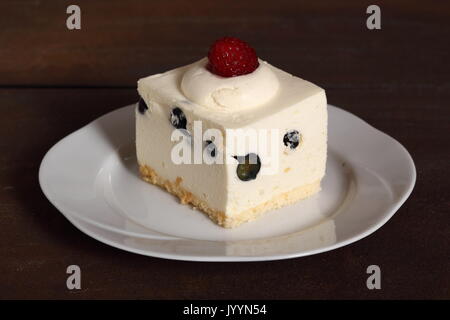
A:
[91,176]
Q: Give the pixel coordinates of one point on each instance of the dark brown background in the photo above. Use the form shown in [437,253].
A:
[53,81]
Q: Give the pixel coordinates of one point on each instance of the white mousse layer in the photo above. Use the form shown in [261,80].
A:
[296,105]
[229,94]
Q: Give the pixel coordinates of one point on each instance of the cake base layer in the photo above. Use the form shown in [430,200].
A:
[219,217]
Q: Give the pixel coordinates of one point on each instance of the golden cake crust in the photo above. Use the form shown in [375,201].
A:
[219,217]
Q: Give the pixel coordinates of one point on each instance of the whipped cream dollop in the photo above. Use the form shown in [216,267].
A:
[229,94]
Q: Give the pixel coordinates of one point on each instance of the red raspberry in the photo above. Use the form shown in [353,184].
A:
[231,57]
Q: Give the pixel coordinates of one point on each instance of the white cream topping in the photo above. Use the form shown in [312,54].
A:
[229,94]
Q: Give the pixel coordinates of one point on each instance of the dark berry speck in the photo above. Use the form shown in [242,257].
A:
[249,166]
[178,119]
[211,148]
[142,106]
[292,139]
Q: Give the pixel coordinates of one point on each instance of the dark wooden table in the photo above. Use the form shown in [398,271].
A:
[53,81]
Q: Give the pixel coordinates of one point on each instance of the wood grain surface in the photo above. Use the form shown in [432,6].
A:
[53,81]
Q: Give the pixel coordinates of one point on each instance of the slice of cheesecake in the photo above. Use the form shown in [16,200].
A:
[232,146]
